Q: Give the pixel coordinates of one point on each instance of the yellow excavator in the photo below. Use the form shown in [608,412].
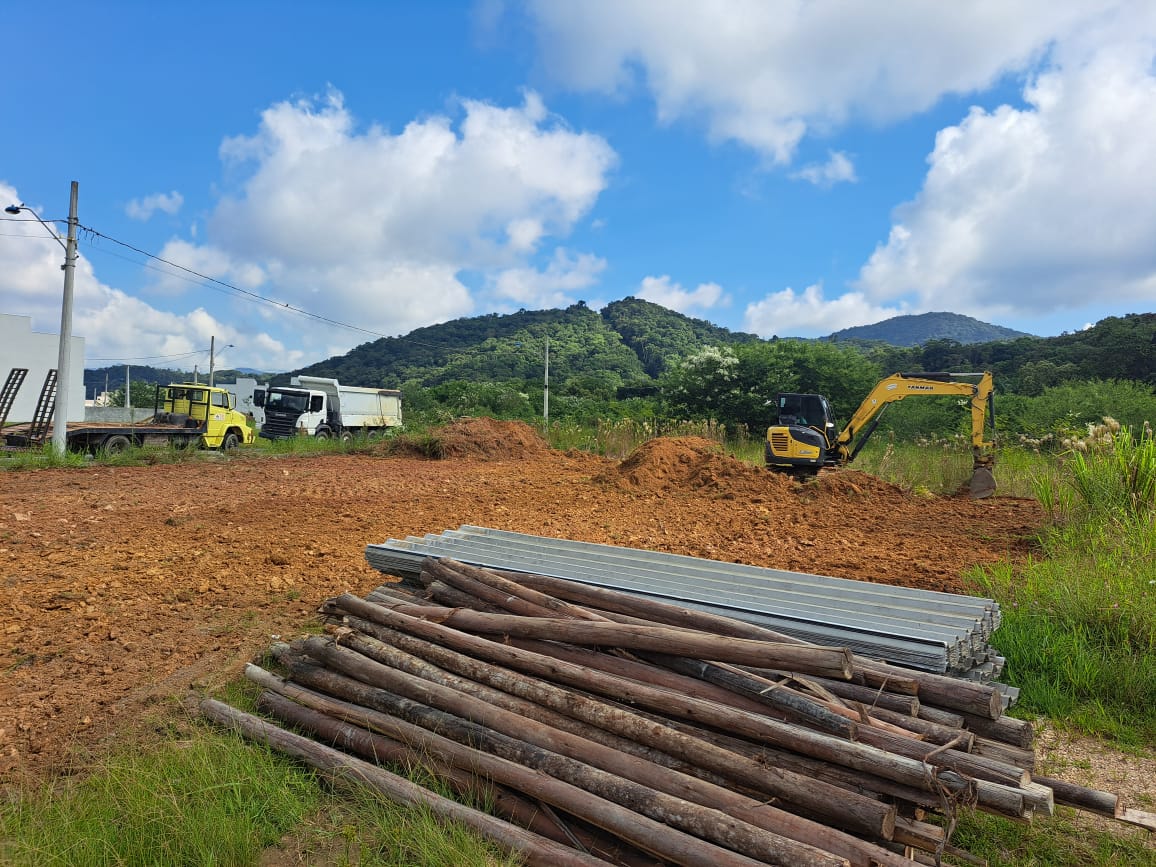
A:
[805,439]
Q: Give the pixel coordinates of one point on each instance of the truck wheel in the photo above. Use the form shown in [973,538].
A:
[346,436]
[230,442]
[114,445]
[322,434]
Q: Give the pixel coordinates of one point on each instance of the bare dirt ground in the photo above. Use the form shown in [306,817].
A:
[122,588]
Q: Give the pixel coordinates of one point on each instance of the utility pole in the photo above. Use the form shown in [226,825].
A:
[64,358]
[212,360]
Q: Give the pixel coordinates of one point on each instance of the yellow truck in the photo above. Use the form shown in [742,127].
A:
[187,414]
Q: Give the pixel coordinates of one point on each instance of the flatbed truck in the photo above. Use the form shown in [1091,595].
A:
[191,415]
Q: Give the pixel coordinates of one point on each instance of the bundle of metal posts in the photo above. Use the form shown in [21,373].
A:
[940,632]
[635,732]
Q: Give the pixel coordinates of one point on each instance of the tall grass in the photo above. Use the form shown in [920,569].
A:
[1079,627]
[208,800]
[208,797]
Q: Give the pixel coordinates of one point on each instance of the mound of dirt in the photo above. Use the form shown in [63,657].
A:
[848,484]
[689,463]
[488,439]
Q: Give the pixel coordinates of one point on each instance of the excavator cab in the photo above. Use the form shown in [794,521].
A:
[804,438]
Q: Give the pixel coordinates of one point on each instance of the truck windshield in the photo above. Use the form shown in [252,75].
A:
[287,401]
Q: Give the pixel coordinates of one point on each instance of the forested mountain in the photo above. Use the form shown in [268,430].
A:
[913,330]
[635,343]
[658,335]
[491,348]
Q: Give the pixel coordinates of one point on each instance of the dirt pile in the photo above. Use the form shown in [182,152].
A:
[488,439]
[691,463]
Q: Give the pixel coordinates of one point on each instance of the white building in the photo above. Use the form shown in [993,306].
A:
[20,346]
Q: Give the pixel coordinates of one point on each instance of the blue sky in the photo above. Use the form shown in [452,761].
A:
[348,170]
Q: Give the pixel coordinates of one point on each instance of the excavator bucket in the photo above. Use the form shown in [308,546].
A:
[982,482]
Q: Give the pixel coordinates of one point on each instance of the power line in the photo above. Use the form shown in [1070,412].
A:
[253,295]
[213,283]
[155,357]
[244,292]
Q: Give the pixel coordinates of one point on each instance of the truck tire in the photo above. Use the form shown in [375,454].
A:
[322,434]
[346,436]
[116,444]
[230,442]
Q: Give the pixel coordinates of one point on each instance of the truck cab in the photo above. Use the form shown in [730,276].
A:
[211,410]
[290,411]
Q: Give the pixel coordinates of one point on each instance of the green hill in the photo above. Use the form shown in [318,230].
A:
[918,329]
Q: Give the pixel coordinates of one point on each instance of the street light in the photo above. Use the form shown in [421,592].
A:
[212,357]
[64,358]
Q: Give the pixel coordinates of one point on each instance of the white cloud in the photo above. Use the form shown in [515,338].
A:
[375,228]
[552,287]
[810,314]
[143,209]
[766,74]
[383,231]
[114,325]
[837,170]
[662,290]
[1029,211]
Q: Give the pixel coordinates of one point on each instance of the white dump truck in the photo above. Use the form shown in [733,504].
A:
[321,407]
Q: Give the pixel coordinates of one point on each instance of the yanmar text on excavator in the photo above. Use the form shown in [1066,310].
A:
[807,438]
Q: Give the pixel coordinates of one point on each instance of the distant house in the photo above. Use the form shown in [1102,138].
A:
[20,346]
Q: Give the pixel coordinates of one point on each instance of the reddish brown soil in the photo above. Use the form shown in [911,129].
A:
[125,587]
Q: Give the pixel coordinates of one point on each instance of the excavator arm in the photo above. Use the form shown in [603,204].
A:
[901,385]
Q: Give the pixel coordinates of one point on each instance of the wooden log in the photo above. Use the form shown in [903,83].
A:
[852,813]
[1140,818]
[631,667]
[908,705]
[980,767]
[647,774]
[952,693]
[446,569]
[942,717]
[932,733]
[486,596]
[1017,732]
[991,797]
[1039,798]
[880,762]
[826,661]
[1013,755]
[346,770]
[452,597]
[792,705]
[506,803]
[867,672]
[1075,795]
[416,664]
[682,677]
[921,835]
[523,766]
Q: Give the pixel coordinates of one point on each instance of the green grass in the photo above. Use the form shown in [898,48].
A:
[1079,623]
[1063,840]
[211,799]
[201,796]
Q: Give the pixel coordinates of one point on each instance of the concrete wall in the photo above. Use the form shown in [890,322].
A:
[20,346]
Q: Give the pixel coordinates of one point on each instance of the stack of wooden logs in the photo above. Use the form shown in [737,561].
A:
[609,728]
